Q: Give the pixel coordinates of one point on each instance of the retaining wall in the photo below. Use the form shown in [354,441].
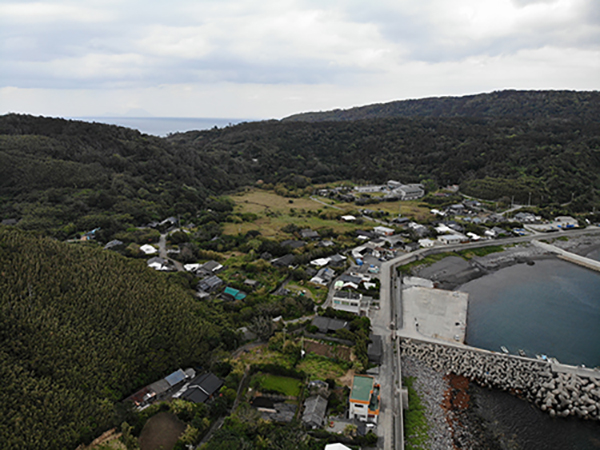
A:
[559,394]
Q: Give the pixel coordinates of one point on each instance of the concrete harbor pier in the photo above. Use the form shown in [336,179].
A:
[435,313]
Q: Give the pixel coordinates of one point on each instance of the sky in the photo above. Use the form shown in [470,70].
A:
[273,58]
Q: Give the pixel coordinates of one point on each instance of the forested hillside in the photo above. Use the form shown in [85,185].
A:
[584,106]
[80,329]
[59,175]
[63,176]
[489,158]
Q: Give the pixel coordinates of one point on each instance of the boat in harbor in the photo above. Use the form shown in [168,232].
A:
[504,349]
[522,352]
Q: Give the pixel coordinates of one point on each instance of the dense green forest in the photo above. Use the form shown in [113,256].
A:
[62,176]
[81,329]
[489,158]
[584,106]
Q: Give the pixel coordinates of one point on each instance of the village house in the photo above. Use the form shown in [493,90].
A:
[148,249]
[323,276]
[314,411]
[309,234]
[210,284]
[158,263]
[160,389]
[383,231]
[347,301]
[450,239]
[328,325]
[209,268]
[292,243]
[202,388]
[284,261]
[364,399]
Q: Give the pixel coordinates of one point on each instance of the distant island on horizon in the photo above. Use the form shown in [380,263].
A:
[163,126]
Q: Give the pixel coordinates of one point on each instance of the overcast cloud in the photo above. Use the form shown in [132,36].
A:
[263,59]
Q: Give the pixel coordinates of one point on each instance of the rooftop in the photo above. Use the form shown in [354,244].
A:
[361,388]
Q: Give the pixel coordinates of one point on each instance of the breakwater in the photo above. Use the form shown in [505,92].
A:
[559,393]
[568,256]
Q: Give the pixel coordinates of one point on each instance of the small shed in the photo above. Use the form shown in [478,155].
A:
[233,294]
[375,349]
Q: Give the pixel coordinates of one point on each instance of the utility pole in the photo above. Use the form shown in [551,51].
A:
[529,203]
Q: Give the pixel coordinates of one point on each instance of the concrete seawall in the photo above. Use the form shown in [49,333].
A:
[553,389]
[568,256]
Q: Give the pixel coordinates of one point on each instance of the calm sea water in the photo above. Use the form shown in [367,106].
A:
[519,425]
[552,308]
[161,126]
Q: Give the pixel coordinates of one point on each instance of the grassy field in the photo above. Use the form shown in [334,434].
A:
[406,209]
[258,201]
[290,387]
[427,261]
[321,368]
[265,356]
[275,212]
[317,293]
[415,423]
[483,251]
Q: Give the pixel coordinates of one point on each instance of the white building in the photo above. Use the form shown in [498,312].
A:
[371,188]
[383,231]
[449,239]
[148,249]
[410,191]
[347,301]
[426,243]
[336,446]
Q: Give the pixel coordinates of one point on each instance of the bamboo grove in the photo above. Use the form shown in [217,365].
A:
[80,329]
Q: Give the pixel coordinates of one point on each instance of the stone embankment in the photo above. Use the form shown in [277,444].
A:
[559,394]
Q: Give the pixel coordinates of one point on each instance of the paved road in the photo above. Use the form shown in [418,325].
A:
[162,252]
[380,325]
[323,203]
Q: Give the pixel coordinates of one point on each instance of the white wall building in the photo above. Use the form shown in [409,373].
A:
[347,301]
[449,239]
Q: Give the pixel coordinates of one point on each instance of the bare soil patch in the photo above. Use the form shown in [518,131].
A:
[347,379]
[330,351]
[161,432]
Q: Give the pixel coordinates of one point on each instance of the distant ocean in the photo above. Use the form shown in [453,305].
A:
[162,126]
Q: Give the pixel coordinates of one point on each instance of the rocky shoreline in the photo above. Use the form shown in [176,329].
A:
[452,417]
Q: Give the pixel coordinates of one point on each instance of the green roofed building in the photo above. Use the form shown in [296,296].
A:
[364,399]
[233,294]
